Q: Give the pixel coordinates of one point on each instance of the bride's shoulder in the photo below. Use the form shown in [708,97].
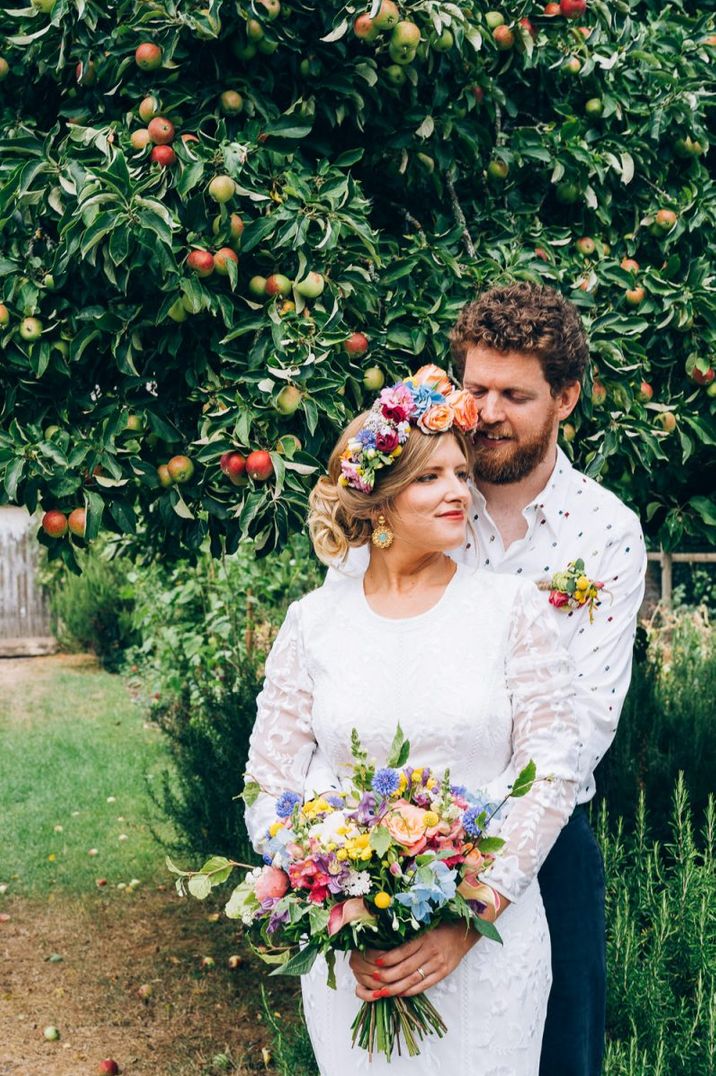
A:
[333,591]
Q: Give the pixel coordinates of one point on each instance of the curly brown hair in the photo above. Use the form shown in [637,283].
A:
[525,317]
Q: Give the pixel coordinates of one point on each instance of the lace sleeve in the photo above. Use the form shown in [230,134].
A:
[282,742]
[545,727]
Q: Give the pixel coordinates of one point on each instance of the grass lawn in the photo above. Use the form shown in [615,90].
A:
[75,755]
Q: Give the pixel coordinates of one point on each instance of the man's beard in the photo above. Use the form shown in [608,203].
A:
[512,462]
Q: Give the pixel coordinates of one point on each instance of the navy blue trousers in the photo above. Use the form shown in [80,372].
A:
[572,884]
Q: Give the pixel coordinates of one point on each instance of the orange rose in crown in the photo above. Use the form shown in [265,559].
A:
[437,419]
[434,377]
[464,407]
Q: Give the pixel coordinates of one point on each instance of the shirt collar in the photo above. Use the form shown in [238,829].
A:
[549,501]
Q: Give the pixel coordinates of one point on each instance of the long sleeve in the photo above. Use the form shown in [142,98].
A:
[602,651]
[546,728]
[282,742]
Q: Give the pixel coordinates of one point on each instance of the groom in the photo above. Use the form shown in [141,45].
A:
[521,351]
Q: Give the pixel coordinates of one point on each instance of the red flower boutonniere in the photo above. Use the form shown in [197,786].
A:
[572,589]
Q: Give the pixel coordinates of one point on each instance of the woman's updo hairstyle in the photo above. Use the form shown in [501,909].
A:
[341,517]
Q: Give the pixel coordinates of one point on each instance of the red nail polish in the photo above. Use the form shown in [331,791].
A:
[376,975]
[379,961]
[384,992]
[377,993]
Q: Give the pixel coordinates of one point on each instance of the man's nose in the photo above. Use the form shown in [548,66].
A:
[491,408]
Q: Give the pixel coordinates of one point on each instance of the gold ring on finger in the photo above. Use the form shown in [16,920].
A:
[422,974]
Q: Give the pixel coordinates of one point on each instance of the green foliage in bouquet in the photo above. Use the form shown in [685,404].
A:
[225,226]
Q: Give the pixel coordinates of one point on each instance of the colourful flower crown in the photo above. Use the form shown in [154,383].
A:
[428,400]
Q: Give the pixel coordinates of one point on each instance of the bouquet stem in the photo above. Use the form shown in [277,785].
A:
[380,1025]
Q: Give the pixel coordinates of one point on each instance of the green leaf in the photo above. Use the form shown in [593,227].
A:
[251,793]
[395,748]
[524,780]
[490,844]
[488,930]
[199,886]
[380,840]
[301,963]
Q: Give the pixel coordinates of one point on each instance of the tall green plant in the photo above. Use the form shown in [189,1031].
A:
[661,915]
[668,724]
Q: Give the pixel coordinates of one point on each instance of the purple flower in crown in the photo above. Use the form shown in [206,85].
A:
[367,438]
[396,402]
[424,397]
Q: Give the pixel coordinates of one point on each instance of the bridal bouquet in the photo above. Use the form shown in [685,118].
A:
[396,852]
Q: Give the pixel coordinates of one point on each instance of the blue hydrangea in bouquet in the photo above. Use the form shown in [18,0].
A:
[397,851]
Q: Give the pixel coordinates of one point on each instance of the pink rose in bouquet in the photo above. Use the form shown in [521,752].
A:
[406,824]
[272,883]
[558,598]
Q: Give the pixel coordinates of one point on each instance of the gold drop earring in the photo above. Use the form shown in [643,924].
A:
[382,536]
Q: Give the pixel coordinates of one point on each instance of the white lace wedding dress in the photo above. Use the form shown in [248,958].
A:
[480,686]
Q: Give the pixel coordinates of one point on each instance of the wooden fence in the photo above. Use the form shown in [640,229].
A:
[667,561]
[24,613]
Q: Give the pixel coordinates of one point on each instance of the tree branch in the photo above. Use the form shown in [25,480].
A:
[460,217]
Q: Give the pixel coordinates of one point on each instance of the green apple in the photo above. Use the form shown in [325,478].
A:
[311,286]
[177,311]
[288,400]
[222,189]
[373,378]
[30,328]
[257,287]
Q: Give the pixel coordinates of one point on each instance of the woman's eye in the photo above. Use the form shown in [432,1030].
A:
[425,477]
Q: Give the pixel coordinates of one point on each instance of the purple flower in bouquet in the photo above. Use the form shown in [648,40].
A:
[286,803]
[366,813]
[386,782]
[277,920]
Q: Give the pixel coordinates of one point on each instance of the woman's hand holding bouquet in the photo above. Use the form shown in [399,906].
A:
[390,869]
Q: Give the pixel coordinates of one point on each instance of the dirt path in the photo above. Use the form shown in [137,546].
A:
[111,942]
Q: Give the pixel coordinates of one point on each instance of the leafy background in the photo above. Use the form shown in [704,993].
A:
[388,192]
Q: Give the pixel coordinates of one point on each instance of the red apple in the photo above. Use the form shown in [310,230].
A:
[552,9]
[702,377]
[4,68]
[667,421]
[148,56]
[528,27]
[572,9]
[163,155]
[145,992]
[108,1067]
[365,28]
[201,262]
[180,469]
[503,38]
[569,432]
[4,315]
[148,108]
[629,265]
[77,521]
[54,523]
[233,464]
[586,245]
[188,137]
[161,131]
[278,284]
[259,465]
[635,296]
[540,252]
[645,392]
[599,393]
[665,219]
[356,345]
[222,259]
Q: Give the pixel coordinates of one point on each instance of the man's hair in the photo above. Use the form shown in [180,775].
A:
[524,317]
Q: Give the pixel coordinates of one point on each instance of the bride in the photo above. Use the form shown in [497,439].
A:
[470,665]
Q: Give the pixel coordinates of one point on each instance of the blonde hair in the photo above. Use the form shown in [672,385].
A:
[340,517]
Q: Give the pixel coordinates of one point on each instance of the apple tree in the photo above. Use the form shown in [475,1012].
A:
[224,226]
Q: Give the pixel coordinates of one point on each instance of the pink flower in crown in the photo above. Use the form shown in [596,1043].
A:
[397,403]
[386,439]
[558,598]
[434,377]
[465,408]
[351,472]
